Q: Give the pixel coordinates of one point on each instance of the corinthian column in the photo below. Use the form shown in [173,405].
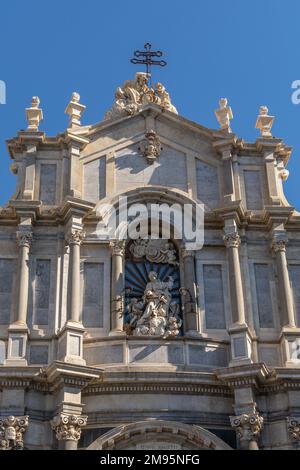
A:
[18,330]
[68,430]
[232,242]
[74,239]
[248,428]
[189,293]
[24,239]
[117,287]
[286,300]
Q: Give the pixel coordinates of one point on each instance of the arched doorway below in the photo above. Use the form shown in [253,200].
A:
[158,435]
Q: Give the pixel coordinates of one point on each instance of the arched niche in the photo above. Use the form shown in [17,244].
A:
[168,231]
[142,259]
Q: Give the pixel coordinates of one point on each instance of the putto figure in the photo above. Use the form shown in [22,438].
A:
[156,314]
[135,94]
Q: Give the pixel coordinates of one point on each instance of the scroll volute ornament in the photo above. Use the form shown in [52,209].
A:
[247,426]
[68,427]
[293,425]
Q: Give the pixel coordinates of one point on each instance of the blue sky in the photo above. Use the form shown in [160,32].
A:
[245,50]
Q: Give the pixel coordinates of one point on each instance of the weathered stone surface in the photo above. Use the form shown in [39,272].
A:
[42,291]
[156,353]
[48,183]
[263,292]
[104,354]
[207,184]
[207,356]
[93,293]
[132,169]
[214,297]
[95,180]
[252,180]
[38,354]
[7,267]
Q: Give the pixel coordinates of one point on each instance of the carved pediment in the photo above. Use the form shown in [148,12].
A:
[134,95]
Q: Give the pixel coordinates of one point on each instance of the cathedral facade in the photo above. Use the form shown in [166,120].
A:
[109,341]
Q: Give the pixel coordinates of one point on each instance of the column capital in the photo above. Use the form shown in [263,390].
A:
[24,238]
[68,427]
[293,426]
[117,247]
[75,236]
[247,426]
[187,253]
[279,244]
[12,429]
[232,240]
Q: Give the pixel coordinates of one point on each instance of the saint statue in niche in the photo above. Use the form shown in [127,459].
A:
[156,314]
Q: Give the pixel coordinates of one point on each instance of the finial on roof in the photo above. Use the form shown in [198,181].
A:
[224,115]
[34,115]
[147,59]
[75,110]
[264,122]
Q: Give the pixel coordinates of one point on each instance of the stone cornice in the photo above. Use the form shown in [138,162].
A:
[178,388]
[25,208]
[233,211]
[276,146]
[60,373]
[73,206]
[161,114]
[224,141]
[19,143]
[276,214]
[72,138]
[95,381]
[244,376]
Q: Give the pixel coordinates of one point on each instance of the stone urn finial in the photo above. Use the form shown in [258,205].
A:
[75,110]
[34,115]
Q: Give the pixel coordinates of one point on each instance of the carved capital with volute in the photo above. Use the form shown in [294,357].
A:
[279,244]
[247,426]
[75,237]
[293,426]
[187,253]
[68,427]
[24,238]
[232,240]
[12,429]
[117,247]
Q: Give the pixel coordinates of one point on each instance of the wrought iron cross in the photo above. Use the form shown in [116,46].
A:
[148,55]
